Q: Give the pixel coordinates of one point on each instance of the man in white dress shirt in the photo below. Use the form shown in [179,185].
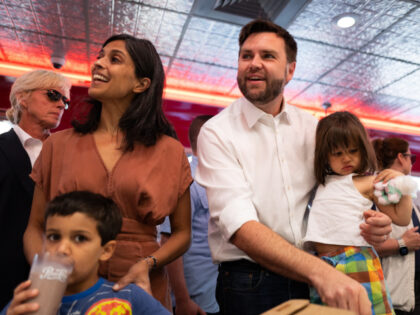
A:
[38,99]
[256,163]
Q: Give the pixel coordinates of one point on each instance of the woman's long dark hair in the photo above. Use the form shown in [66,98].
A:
[144,120]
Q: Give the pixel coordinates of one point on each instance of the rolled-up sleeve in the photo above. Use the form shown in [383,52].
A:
[228,192]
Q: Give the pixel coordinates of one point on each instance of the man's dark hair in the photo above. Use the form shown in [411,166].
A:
[194,130]
[101,209]
[143,121]
[341,130]
[260,26]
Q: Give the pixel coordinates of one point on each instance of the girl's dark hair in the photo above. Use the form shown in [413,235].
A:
[387,150]
[340,130]
[101,209]
[144,120]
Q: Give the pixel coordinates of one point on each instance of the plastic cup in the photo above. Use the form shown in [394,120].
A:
[49,274]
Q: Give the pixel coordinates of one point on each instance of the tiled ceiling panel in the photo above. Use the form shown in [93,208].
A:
[404,87]
[371,68]
[315,59]
[367,72]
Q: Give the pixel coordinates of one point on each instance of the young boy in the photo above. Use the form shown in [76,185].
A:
[83,226]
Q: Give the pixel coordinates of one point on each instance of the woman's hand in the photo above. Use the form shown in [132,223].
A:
[21,294]
[137,274]
[386,175]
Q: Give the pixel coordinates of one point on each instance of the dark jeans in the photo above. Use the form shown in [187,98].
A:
[247,288]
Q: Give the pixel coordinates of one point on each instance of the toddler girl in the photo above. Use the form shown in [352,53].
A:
[344,164]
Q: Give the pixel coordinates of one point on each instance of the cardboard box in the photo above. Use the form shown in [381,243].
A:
[303,307]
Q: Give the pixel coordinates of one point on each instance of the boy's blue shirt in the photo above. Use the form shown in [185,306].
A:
[101,299]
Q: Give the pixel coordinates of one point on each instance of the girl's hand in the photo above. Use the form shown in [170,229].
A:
[139,275]
[387,175]
[21,294]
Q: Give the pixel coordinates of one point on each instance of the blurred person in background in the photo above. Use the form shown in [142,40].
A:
[193,277]
[38,99]
[401,253]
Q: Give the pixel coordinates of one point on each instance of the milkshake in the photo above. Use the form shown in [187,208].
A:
[49,275]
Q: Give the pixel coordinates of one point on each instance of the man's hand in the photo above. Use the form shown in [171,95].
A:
[376,228]
[412,239]
[188,307]
[21,294]
[137,274]
[338,290]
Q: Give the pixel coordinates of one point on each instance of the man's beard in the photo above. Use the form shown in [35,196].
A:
[273,89]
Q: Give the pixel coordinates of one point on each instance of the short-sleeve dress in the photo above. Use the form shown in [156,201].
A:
[145,183]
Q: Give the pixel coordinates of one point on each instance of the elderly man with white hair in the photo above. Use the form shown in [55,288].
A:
[38,100]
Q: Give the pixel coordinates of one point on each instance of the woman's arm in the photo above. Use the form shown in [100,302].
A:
[176,245]
[32,239]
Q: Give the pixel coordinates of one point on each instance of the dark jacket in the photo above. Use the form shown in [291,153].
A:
[16,191]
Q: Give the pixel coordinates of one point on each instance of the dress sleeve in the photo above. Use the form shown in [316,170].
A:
[185,178]
[41,172]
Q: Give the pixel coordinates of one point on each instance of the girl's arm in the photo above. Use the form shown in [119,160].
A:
[176,245]
[399,213]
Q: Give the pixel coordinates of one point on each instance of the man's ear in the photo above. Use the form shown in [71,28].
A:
[142,85]
[108,250]
[290,70]
[21,97]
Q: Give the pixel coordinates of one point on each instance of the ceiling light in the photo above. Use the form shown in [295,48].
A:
[345,20]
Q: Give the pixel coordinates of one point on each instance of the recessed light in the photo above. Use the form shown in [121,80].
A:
[345,20]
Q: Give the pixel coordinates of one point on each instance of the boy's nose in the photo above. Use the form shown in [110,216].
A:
[64,248]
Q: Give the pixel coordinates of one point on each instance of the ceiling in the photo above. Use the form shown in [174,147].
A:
[371,69]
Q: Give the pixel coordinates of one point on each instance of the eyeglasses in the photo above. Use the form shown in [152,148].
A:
[55,96]
[412,157]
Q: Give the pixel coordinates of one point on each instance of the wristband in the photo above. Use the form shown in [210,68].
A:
[153,264]
[403,250]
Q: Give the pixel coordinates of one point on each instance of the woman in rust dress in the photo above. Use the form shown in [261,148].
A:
[124,150]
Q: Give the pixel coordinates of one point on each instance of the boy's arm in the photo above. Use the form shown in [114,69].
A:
[32,239]
[21,294]
[144,303]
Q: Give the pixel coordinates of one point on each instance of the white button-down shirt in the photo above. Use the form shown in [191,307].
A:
[256,167]
[31,145]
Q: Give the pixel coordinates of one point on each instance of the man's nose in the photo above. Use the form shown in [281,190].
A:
[256,62]
[61,104]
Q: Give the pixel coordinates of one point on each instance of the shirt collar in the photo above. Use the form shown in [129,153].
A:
[253,114]
[22,134]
